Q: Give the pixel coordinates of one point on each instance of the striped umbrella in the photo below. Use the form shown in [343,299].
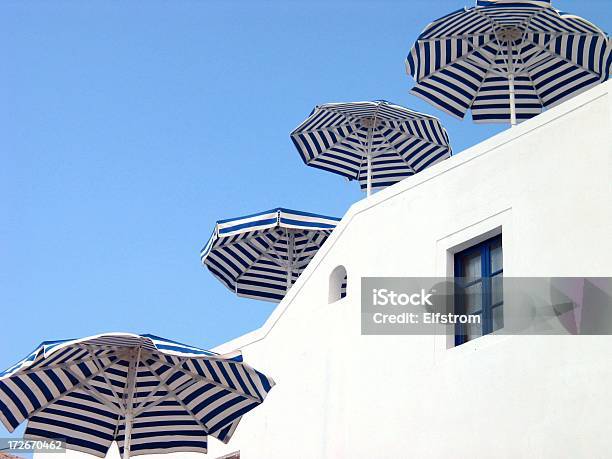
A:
[377,143]
[261,255]
[507,60]
[149,394]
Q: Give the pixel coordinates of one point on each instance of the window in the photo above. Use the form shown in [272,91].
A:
[479,279]
[337,284]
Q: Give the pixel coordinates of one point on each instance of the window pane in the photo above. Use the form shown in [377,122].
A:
[471,266]
[497,289]
[474,330]
[497,261]
[480,296]
[497,315]
[473,298]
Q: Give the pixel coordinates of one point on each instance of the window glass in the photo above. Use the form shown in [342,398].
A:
[474,331]
[479,276]
[473,298]
[471,266]
[496,257]
[498,318]
[497,289]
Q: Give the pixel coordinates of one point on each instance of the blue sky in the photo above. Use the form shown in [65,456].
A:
[128,128]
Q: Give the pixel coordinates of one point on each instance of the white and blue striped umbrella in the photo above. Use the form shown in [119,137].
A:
[377,143]
[261,255]
[149,394]
[507,60]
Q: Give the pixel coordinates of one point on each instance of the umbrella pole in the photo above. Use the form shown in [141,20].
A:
[369,186]
[369,158]
[512,102]
[128,435]
[369,152]
[511,84]
[290,250]
[129,408]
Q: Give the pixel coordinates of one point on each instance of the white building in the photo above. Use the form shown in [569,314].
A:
[546,187]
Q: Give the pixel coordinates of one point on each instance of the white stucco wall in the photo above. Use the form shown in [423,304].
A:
[548,184]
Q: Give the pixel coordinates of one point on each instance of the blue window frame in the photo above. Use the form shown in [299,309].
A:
[479,288]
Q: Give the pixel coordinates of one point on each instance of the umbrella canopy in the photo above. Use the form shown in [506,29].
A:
[507,60]
[261,255]
[149,394]
[377,143]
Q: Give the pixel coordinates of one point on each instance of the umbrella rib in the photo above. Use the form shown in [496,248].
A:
[307,243]
[141,403]
[267,256]
[527,22]
[412,136]
[54,367]
[577,34]
[463,37]
[99,364]
[301,265]
[327,128]
[230,243]
[394,150]
[102,399]
[304,263]
[561,58]
[279,255]
[491,22]
[353,122]
[557,34]
[152,394]
[357,119]
[143,408]
[170,391]
[260,255]
[334,145]
[350,118]
[72,389]
[495,25]
[364,157]
[247,241]
[454,37]
[489,70]
[126,388]
[526,71]
[456,60]
[181,388]
[535,89]
[94,393]
[208,380]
